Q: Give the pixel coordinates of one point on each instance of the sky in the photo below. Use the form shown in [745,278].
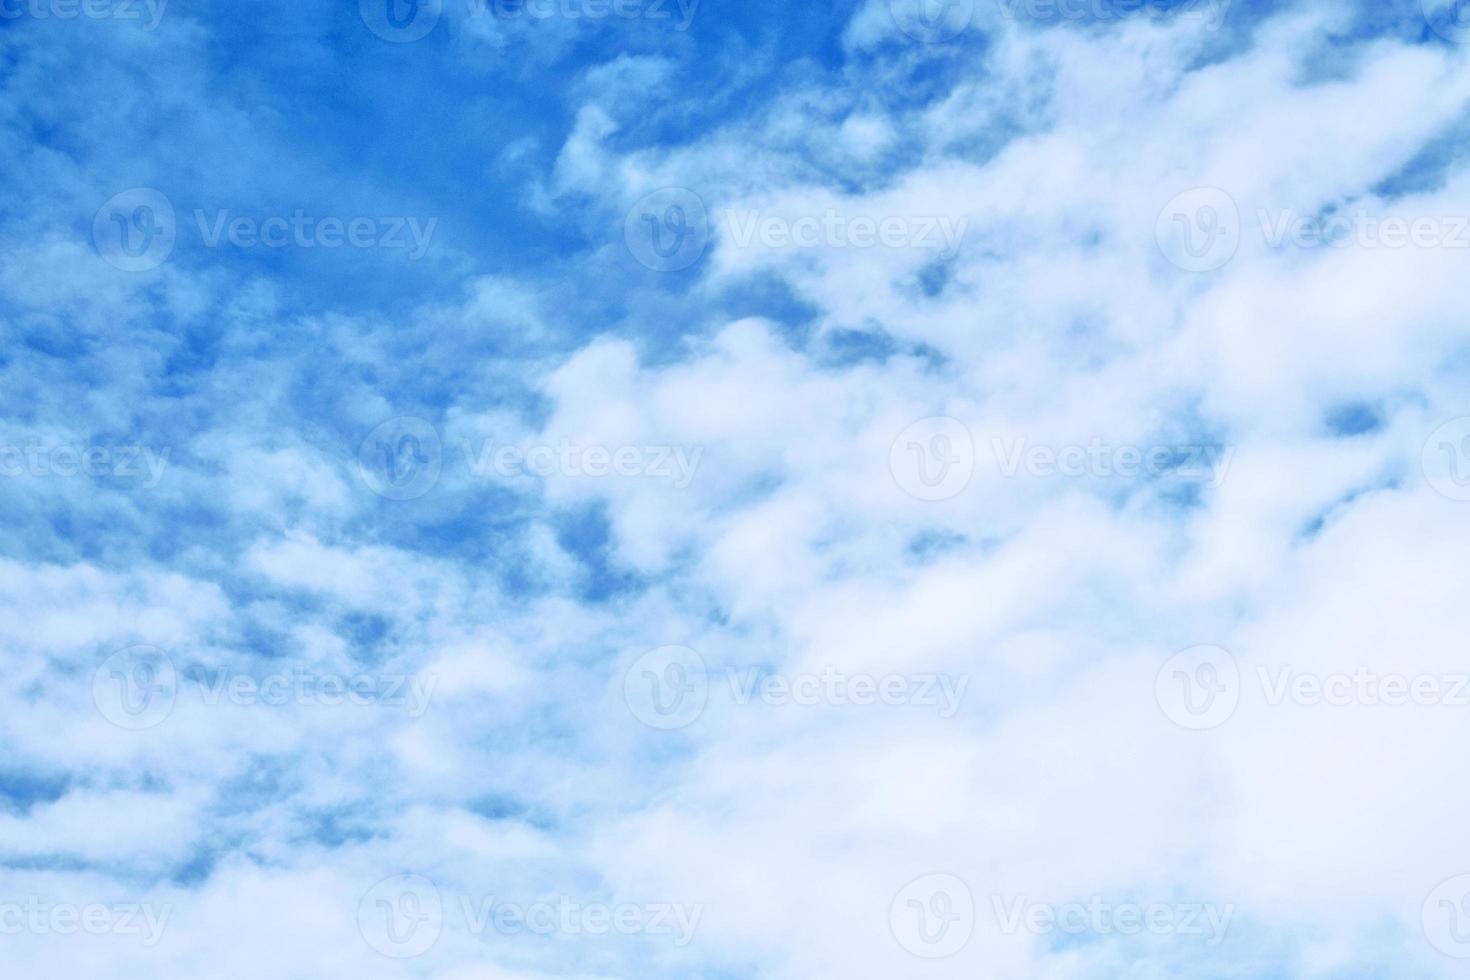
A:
[880,490]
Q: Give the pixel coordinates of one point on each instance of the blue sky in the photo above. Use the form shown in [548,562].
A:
[621,488]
